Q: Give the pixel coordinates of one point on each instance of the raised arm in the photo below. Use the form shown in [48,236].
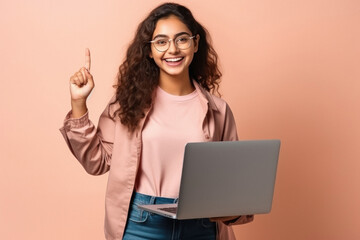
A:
[90,145]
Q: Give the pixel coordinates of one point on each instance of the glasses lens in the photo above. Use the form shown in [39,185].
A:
[161,44]
[183,42]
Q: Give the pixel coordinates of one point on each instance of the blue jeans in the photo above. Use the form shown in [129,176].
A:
[143,225]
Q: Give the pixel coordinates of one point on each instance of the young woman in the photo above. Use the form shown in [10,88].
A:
[162,101]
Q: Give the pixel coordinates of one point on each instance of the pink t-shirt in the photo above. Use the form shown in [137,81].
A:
[173,122]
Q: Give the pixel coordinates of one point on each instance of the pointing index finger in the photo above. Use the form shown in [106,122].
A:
[87,59]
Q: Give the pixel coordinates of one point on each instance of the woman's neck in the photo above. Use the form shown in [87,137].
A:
[176,85]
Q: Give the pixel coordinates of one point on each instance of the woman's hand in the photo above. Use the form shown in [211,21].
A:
[238,219]
[81,85]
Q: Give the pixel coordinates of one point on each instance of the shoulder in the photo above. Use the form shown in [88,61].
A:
[219,102]
[215,103]
[111,108]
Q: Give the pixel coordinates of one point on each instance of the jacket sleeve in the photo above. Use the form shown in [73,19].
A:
[230,134]
[91,146]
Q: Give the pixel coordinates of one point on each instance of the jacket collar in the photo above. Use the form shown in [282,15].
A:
[205,96]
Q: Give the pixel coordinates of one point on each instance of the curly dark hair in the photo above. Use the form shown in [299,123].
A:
[138,75]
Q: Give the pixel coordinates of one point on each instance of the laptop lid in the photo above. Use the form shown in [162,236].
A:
[228,178]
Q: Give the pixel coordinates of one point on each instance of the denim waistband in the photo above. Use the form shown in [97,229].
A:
[147,199]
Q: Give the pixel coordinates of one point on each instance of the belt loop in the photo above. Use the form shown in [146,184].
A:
[152,201]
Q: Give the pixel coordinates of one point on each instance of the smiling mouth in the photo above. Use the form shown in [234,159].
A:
[173,60]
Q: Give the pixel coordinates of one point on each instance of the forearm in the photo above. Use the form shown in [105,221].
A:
[91,150]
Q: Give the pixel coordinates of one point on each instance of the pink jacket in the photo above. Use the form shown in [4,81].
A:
[111,147]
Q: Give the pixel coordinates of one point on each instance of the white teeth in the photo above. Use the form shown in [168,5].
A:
[173,59]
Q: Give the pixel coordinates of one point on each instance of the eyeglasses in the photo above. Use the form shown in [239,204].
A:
[181,42]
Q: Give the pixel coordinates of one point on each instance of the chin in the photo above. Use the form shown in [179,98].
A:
[173,71]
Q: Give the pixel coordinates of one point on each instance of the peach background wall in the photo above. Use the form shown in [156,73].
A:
[291,71]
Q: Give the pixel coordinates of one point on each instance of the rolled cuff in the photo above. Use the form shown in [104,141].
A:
[240,220]
[70,122]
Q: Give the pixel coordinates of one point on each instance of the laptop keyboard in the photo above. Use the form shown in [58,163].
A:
[169,209]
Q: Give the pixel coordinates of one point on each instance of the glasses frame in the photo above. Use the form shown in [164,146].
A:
[172,39]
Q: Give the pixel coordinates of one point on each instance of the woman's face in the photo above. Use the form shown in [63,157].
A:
[174,61]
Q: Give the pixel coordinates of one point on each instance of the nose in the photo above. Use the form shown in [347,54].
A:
[172,47]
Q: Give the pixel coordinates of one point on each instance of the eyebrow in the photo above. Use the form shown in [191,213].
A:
[166,36]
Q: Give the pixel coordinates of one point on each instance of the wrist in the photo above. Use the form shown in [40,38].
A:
[78,108]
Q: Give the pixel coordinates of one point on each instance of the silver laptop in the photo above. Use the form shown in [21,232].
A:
[224,179]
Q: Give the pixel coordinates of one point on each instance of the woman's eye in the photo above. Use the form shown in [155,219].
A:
[161,42]
[182,39]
